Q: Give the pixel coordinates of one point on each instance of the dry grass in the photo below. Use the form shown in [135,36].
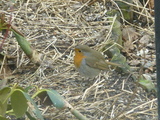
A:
[54,28]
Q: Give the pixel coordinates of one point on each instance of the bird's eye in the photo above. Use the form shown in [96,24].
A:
[79,51]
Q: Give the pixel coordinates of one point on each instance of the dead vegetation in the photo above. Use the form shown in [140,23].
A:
[54,28]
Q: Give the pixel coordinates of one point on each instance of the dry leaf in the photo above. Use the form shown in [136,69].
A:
[128,45]
[134,62]
[130,34]
[151,6]
[145,39]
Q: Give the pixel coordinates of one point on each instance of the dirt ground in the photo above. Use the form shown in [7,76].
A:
[54,28]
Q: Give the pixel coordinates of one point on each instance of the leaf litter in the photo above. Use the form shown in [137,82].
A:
[54,28]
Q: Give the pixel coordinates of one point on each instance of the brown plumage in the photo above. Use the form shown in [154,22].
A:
[90,62]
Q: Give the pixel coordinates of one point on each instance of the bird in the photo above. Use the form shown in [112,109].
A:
[90,62]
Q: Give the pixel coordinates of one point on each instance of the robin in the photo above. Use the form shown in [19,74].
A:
[90,62]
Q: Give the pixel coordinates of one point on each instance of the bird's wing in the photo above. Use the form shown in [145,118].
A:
[100,63]
[96,63]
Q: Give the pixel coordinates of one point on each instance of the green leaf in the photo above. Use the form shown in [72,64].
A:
[3,100]
[147,83]
[3,118]
[35,110]
[50,97]
[4,93]
[2,110]
[18,103]
[118,58]
[24,44]
[57,100]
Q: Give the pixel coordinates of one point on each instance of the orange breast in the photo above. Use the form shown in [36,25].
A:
[78,58]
